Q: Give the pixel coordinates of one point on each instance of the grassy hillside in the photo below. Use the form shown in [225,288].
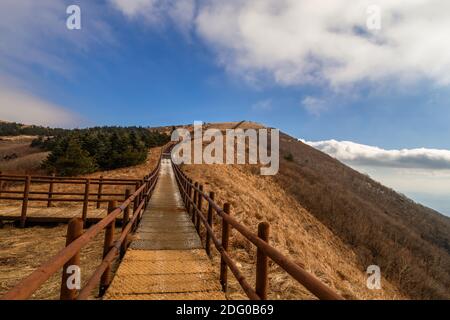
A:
[411,243]
[16,129]
[336,222]
[18,157]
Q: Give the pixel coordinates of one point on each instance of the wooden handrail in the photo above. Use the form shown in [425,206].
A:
[50,196]
[22,177]
[309,281]
[25,288]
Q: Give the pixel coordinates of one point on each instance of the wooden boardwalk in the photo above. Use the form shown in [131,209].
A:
[166,259]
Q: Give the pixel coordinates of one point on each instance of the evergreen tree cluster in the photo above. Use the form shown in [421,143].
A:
[83,151]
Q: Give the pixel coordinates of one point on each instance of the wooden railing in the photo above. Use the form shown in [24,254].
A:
[194,197]
[27,194]
[77,239]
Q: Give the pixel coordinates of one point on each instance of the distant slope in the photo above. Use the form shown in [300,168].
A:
[18,157]
[411,243]
[15,129]
[336,222]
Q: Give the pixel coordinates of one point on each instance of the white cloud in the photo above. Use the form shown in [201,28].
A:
[134,7]
[309,41]
[159,12]
[363,155]
[263,105]
[314,106]
[18,106]
[295,42]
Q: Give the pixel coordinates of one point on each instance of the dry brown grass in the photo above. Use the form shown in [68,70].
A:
[23,250]
[17,157]
[27,164]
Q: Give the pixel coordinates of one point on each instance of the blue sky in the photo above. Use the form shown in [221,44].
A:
[285,63]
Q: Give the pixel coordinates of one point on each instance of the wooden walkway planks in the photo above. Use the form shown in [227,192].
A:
[166,259]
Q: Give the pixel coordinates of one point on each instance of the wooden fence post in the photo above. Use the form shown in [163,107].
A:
[74,230]
[107,245]
[189,196]
[262,266]
[100,190]
[50,191]
[86,200]
[26,193]
[1,183]
[225,239]
[143,196]
[199,205]
[139,198]
[182,185]
[194,201]
[148,191]
[136,199]
[125,220]
[186,189]
[210,223]
[147,188]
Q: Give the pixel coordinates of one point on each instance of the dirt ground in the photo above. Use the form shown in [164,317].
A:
[23,250]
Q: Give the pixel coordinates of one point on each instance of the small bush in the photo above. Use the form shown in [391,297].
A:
[289,157]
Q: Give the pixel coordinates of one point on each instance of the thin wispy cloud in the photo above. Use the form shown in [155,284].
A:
[263,105]
[159,12]
[314,106]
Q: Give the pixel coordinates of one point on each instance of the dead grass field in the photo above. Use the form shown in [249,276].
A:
[17,157]
[23,250]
